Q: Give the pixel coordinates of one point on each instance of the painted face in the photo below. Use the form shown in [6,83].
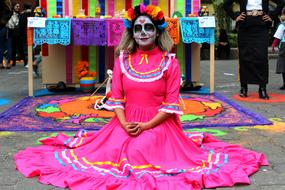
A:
[144,32]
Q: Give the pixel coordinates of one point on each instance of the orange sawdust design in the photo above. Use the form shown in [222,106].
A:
[80,110]
[84,106]
[207,109]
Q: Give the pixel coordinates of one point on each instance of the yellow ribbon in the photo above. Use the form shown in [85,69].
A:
[144,57]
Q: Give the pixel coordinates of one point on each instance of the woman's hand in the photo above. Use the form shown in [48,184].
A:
[139,128]
[132,128]
[266,18]
[241,17]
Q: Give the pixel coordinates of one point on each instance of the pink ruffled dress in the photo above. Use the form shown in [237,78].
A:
[144,83]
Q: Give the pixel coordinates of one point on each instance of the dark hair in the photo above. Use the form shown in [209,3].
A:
[14,4]
[283,11]
[27,6]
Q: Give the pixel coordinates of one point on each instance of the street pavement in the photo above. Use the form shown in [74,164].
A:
[269,140]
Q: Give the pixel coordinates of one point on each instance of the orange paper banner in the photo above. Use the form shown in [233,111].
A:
[30,39]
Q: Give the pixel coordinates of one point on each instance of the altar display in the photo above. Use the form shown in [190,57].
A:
[95,31]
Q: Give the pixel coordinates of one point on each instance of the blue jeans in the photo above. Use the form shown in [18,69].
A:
[5,44]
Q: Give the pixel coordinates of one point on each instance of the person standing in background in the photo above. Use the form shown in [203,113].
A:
[5,15]
[223,44]
[23,20]
[15,32]
[253,21]
[279,39]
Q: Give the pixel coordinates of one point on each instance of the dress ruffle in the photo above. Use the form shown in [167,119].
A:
[35,162]
[225,164]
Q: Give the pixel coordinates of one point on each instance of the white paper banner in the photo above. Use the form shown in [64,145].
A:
[36,22]
[207,22]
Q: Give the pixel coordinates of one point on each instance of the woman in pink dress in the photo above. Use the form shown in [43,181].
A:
[144,146]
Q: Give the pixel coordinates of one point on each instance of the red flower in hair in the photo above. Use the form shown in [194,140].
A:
[130,14]
[160,15]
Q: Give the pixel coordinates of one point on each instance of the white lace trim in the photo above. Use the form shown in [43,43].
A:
[171,111]
[111,108]
[170,58]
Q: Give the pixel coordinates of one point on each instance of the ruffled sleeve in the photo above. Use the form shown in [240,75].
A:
[171,101]
[117,99]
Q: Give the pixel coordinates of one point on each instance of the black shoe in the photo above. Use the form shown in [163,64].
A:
[243,92]
[263,94]
[282,87]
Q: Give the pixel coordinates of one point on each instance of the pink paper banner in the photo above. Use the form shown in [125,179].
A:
[66,8]
[154,2]
[111,7]
[115,29]
[195,6]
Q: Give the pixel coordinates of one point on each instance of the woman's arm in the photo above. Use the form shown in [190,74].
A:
[156,120]
[130,127]
[117,101]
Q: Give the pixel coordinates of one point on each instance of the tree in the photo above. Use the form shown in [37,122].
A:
[223,20]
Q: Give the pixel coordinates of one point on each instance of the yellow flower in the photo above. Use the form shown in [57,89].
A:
[155,11]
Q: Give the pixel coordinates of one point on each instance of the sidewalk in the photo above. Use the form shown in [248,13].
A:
[205,54]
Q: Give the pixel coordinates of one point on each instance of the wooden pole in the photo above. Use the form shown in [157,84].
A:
[212,68]
[30,61]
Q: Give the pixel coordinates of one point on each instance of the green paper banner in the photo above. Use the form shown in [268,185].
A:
[92,59]
[180,56]
[181,6]
[51,8]
[136,2]
[92,7]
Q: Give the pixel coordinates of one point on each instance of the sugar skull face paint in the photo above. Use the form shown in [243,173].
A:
[144,32]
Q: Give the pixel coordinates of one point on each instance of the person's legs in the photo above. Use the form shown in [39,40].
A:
[23,49]
[3,33]
[9,51]
[283,77]
[262,92]
[228,51]
[219,51]
[243,90]
[15,42]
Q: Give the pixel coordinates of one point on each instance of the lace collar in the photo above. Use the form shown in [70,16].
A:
[148,76]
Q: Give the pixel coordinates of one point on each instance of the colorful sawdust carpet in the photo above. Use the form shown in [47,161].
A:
[73,112]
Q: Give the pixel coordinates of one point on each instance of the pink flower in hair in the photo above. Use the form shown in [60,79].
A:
[142,8]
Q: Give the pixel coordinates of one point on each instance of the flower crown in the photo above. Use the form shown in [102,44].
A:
[154,12]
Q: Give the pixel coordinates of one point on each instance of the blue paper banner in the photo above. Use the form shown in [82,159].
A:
[191,32]
[57,31]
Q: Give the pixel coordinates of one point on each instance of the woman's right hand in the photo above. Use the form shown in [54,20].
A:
[133,129]
[241,17]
